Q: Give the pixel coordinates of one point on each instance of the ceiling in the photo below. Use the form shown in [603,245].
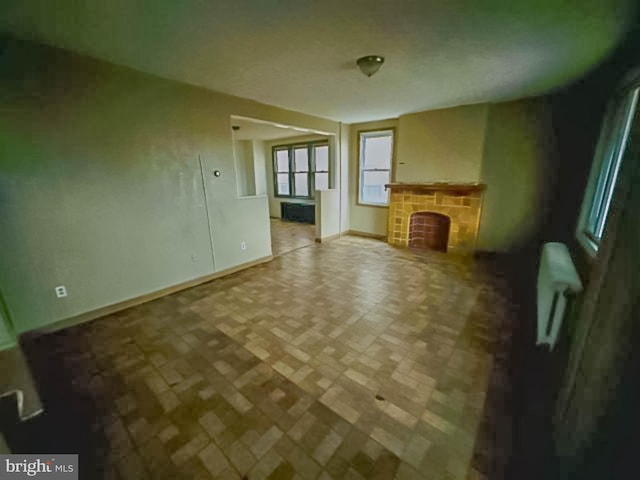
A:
[301,54]
[260,130]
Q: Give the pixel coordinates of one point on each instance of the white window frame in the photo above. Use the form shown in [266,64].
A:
[608,159]
[362,136]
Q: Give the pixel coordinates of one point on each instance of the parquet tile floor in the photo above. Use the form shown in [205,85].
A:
[289,236]
[350,359]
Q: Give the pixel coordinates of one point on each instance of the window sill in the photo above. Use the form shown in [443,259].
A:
[299,201]
[287,197]
[378,205]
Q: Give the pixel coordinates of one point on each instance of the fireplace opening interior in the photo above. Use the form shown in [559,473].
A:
[429,231]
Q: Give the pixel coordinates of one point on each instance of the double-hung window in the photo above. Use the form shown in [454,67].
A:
[605,170]
[376,155]
[300,169]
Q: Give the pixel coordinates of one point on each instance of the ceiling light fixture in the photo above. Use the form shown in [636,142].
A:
[370,64]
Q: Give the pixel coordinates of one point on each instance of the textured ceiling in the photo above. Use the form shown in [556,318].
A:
[301,54]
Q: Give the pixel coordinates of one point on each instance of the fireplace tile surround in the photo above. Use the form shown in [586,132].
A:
[461,202]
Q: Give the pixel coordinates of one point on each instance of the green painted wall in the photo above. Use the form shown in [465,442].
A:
[7,336]
[101,188]
[516,167]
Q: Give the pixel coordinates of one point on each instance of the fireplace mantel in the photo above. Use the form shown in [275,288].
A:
[438,186]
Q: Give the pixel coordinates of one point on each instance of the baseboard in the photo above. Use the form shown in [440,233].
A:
[132,302]
[358,233]
[328,239]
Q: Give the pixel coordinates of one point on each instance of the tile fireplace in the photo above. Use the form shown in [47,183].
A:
[439,216]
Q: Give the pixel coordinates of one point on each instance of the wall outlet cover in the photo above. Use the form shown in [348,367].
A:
[61,291]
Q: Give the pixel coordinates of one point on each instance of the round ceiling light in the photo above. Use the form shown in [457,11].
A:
[370,64]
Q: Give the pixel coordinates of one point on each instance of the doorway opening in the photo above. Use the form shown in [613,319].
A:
[292,167]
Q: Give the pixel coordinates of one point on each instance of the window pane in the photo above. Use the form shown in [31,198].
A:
[301,156]
[376,152]
[322,158]
[282,160]
[301,184]
[372,188]
[283,184]
[613,127]
[322,181]
[608,178]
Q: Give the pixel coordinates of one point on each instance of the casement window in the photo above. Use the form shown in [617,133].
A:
[603,179]
[376,158]
[300,169]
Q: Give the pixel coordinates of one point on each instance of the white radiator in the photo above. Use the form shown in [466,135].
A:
[557,277]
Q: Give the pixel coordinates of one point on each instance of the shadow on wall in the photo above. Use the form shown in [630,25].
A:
[517,167]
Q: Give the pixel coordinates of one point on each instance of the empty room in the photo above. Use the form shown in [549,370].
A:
[319,240]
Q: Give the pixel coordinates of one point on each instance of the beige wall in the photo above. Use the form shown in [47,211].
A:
[101,184]
[441,145]
[244,163]
[327,214]
[517,172]
[366,218]
[428,146]
[259,167]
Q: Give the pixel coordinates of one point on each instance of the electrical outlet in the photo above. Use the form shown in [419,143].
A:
[243,245]
[194,258]
[61,291]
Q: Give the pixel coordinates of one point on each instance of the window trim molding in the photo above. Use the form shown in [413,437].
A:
[290,147]
[359,202]
[628,92]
